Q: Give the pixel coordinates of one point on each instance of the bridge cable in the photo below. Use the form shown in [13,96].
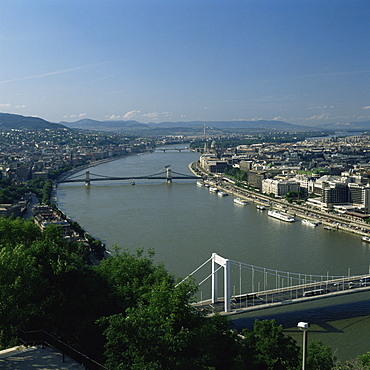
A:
[193,272]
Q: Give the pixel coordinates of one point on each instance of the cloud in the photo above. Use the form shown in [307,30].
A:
[367,107]
[323,107]
[113,116]
[152,116]
[131,114]
[6,105]
[75,115]
[278,119]
[53,73]
[319,116]
[20,106]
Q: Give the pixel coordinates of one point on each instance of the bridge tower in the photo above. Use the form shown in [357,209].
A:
[168,175]
[87,178]
[225,263]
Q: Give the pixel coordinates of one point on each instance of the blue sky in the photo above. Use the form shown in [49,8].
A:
[302,61]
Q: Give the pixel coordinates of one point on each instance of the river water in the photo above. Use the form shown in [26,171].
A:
[185,224]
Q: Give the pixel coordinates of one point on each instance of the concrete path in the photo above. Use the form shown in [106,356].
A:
[19,358]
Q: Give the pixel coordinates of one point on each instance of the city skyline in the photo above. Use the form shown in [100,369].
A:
[303,62]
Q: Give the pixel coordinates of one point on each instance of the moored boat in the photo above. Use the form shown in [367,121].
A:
[213,189]
[222,194]
[366,239]
[309,223]
[241,202]
[260,206]
[200,183]
[281,216]
[328,228]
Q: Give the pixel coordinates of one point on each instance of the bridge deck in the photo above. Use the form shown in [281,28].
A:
[278,297]
[131,178]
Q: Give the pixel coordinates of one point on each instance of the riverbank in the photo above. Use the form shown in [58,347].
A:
[328,220]
[96,163]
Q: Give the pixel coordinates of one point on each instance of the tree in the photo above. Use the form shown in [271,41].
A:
[362,362]
[266,347]
[319,357]
[165,332]
[131,275]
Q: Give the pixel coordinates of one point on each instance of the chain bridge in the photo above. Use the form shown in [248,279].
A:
[171,149]
[247,287]
[167,175]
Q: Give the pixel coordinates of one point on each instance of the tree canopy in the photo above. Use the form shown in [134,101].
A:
[128,312]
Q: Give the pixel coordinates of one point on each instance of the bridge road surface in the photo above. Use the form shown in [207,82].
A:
[287,295]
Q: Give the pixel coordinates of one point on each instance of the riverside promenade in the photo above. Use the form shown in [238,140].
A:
[343,222]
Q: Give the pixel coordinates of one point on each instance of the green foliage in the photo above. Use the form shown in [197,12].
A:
[131,307]
[131,276]
[10,193]
[237,174]
[362,362]
[36,187]
[319,357]
[266,347]
[18,231]
[46,191]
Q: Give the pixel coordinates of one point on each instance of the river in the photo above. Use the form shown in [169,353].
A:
[185,224]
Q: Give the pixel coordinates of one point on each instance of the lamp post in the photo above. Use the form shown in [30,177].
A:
[304,327]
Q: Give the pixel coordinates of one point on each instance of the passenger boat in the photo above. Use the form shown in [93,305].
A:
[328,228]
[241,202]
[309,223]
[281,216]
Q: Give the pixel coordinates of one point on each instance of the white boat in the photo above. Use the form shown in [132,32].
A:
[366,239]
[213,189]
[241,202]
[222,194]
[200,183]
[281,216]
[260,206]
[309,223]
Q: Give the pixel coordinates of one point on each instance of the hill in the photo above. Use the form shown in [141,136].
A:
[346,126]
[261,125]
[90,124]
[15,121]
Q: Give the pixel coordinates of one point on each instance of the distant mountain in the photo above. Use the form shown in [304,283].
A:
[15,121]
[90,124]
[250,125]
[347,126]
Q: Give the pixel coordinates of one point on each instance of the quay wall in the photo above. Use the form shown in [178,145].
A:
[335,222]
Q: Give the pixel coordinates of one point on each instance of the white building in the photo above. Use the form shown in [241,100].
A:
[279,187]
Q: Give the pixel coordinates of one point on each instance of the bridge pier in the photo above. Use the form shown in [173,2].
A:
[87,178]
[168,175]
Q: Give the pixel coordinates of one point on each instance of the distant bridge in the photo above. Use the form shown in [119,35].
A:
[165,175]
[258,287]
[164,150]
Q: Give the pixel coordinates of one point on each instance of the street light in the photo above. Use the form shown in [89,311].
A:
[304,327]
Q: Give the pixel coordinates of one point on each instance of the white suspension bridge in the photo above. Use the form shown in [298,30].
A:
[247,287]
